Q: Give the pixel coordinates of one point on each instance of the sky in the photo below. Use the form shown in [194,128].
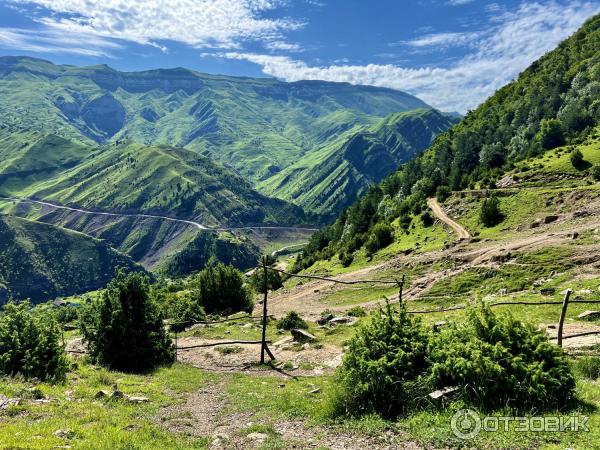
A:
[452,54]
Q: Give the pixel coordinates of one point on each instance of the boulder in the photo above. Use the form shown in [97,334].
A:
[326,318]
[589,315]
[302,336]
[547,291]
[102,394]
[342,320]
[133,399]
[551,218]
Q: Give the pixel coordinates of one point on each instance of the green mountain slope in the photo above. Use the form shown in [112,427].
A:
[259,126]
[329,180]
[40,261]
[555,101]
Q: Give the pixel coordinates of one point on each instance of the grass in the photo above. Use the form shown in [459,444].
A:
[99,423]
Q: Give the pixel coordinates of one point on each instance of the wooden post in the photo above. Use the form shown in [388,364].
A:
[401,288]
[264,324]
[563,313]
[176,333]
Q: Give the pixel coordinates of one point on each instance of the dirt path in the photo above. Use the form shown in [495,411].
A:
[440,214]
[197,225]
[208,413]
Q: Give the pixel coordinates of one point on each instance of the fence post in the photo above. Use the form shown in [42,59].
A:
[563,313]
[401,288]
[264,324]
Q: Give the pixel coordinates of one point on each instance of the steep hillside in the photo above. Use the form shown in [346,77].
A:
[130,177]
[329,180]
[40,261]
[553,102]
[259,126]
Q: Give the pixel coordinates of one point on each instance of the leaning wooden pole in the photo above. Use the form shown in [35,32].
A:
[263,345]
[563,313]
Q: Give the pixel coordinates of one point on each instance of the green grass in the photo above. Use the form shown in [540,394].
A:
[100,423]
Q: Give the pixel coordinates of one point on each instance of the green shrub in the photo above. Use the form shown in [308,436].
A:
[576,158]
[551,134]
[257,280]
[490,213]
[426,219]
[292,321]
[124,329]
[499,361]
[182,307]
[442,193]
[346,259]
[30,344]
[596,172]
[383,367]
[357,311]
[222,290]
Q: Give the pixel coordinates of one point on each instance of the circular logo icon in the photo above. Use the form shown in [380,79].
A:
[465,424]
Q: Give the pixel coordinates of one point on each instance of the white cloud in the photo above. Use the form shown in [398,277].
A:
[459,2]
[199,23]
[52,41]
[500,54]
[442,40]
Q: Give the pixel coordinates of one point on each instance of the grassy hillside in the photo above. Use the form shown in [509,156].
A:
[40,261]
[552,103]
[330,179]
[259,126]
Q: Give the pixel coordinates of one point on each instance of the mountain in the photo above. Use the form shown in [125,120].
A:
[331,179]
[40,261]
[556,101]
[257,125]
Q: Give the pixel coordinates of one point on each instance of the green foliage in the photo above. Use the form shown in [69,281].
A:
[576,158]
[257,280]
[30,344]
[596,172]
[442,193]
[181,307]
[490,213]
[357,311]
[223,290]
[551,134]
[346,258]
[427,219]
[500,361]
[383,369]
[291,321]
[124,329]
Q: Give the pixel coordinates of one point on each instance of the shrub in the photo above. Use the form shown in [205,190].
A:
[576,158]
[442,193]
[426,219]
[490,213]
[292,321]
[124,328]
[257,280]
[222,290]
[381,236]
[357,311]
[383,367]
[182,307]
[596,172]
[551,134]
[346,259]
[499,361]
[30,344]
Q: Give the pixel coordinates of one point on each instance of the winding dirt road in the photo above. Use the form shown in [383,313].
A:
[152,216]
[437,210]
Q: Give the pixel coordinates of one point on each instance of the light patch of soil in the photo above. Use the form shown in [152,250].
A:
[296,361]
[580,342]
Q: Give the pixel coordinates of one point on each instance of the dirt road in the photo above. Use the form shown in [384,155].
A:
[440,214]
[197,225]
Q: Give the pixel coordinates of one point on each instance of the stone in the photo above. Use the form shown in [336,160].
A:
[535,224]
[342,320]
[258,437]
[589,315]
[302,336]
[323,320]
[503,291]
[574,235]
[444,393]
[64,434]
[547,291]
[133,399]
[551,218]
[102,394]
[117,394]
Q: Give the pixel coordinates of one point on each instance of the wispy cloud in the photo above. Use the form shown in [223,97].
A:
[514,41]
[442,40]
[199,23]
[53,41]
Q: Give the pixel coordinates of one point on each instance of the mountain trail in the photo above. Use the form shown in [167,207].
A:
[439,212]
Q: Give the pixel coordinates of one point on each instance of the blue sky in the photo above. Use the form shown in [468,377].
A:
[451,53]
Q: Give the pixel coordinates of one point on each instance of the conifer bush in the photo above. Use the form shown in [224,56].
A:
[223,289]
[490,213]
[124,329]
[596,172]
[291,321]
[385,366]
[499,361]
[30,344]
